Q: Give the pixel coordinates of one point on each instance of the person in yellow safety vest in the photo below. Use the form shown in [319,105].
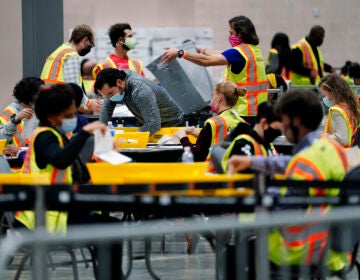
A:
[63,64]
[277,61]
[14,115]
[307,65]
[315,158]
[52,153]
[123,40]
[256,141]
[244,64]
[343,117]
[224,97]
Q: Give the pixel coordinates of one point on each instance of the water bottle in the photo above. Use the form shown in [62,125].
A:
[111,129]
[187,156]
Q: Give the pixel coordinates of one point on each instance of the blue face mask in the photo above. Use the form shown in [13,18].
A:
[68,125]
[118,97]
[328,103]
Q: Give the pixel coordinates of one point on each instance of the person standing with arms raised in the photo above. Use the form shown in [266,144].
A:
[244,64]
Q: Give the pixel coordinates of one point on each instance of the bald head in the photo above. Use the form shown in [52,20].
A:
[316,35]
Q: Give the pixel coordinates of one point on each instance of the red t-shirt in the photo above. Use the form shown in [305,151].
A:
[121,62]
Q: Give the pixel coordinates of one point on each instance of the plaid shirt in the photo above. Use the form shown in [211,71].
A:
[72,72]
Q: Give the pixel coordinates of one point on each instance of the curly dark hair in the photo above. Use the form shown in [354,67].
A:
[26,89]
[53,101]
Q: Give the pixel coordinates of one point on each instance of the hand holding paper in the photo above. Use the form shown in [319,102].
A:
[104,149]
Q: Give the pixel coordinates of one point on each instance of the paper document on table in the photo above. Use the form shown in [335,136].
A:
[104,149]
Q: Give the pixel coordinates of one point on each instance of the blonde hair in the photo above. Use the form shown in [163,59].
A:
[81,31]
[231,91]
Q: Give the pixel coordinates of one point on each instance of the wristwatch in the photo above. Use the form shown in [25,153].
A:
[180,53]
[13,120]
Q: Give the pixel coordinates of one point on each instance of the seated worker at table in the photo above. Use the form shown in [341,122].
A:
[13,116]
[315,158]
[343,117]
[151,105]
[52,153]
[258,140]
[224,97]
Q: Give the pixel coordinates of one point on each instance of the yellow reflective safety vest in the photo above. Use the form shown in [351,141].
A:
[351,122]
[259,149]
[221,125]
[134,65]
[18,138]
[55,221]
[308,61]
[305,244]
[53,70]
[252,77]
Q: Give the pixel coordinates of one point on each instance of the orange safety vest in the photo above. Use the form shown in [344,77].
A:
[221,125]
[252,77]
[134,64]
[351,122]
[53,70]
[304,244]
[309,61]
[18,138]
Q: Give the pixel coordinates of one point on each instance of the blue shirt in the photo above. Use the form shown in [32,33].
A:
[235,59]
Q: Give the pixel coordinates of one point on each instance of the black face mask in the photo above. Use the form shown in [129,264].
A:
[84,51]
[270,134]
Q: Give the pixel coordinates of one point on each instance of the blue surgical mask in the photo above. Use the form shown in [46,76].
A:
[118,97]
[68,125]
[328,103]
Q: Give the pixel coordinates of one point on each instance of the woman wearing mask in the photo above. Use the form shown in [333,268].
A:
[343,117]
[224,97]
[244,64]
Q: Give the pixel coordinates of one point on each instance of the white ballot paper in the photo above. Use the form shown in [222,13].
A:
[104,149]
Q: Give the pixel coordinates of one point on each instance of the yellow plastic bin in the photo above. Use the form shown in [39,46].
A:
[170,132]
[105,173]
[131,140]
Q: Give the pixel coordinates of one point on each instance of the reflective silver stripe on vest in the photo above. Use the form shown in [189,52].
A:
[17,132]
[57,63]
[60,177]
[251,65]
[307,55]
[305,168]
[262,86]
[221,129]
[305,237]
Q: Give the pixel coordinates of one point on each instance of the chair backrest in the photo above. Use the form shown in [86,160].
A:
[217,152]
